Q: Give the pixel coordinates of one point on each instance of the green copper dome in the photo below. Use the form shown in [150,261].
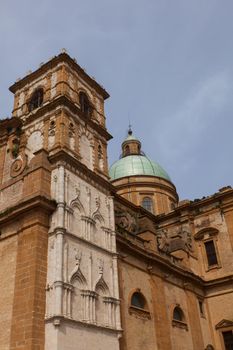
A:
[136,165]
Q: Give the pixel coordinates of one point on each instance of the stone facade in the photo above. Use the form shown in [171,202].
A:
[166,261]
[83,265]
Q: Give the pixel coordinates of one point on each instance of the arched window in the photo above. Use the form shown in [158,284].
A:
[178,314]
[36,100]
[138,300]
[147,204]
[84,104]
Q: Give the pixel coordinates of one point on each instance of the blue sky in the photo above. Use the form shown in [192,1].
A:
[168,66]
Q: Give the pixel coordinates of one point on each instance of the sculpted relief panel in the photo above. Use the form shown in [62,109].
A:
[125,220]
[180,238]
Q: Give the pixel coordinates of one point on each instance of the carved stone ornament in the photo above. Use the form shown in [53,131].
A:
[97,202]
[78,257]
[18,166]
[126,221]
[101,266]
[186,236]
[168,242]
[163,241]
[77,190]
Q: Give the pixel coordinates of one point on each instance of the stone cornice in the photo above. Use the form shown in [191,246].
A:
[75,165]
[58,319]
[62,57]
[64,101]
[192,208]
[218,281]
[13,122]
[23,206]
[85,241]
[171,188]
[159,260]
[152,183]
[166,264]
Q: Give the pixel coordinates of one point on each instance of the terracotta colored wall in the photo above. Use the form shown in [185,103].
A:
[8,248]
[27,328]
[161,319]
[139,333]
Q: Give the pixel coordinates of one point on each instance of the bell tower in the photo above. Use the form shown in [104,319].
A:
[56,93]
[54,160]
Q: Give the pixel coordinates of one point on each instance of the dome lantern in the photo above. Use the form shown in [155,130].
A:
[131,145]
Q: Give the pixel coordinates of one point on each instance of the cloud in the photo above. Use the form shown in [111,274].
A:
[184,129]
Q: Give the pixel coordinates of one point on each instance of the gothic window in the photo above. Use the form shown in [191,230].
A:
[228,339]
[211,253]
[36,100]
[138,300]
[77,301]
[102,293]
[76,221]
[100,309]
[147,204]
[178,314]
[84,104]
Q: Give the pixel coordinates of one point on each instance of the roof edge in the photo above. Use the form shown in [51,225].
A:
[62,57]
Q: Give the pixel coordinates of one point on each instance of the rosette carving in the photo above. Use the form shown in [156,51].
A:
[18,166]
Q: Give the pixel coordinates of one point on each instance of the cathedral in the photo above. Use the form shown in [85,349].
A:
[99,257]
